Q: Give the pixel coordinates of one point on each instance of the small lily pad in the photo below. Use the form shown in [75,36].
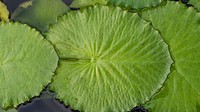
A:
[110,60]
[40,13]
[3,12]
[27,63]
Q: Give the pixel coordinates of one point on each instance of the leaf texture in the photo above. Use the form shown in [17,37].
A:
[135,4]
[180,28]
[27,63]
[110,60]
[195,3]
[10,110]
[83,3]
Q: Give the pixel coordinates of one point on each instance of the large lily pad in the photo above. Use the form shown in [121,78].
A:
[180,28]
[40,13]
[3,12]
[110,60]
[27,63]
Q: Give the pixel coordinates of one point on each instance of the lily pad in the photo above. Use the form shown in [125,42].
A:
[195,3]
[180,28]
[27,63]
[135,4]
[10,110]
[83,3]
[110,60]
[3,12]
[40,13]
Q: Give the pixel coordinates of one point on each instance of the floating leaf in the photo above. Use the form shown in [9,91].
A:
[10,110]
[195,3]
[180,28]
[82,3]
[135,4]
[3,12]
[110,60]
[27,63]
[40,13]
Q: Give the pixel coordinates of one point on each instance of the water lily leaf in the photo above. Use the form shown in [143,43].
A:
[111,60]
[10,110]
[39,13]
[27,63]
[195,3]
[83,3]
[180,28]
[3,12]
[135,4]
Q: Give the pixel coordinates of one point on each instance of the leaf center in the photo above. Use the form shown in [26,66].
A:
[94,59]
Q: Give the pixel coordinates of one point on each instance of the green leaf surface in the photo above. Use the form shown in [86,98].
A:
[27,63]
[135,4]
[10,110]
[3,12]
[110,60]
[83,3]
[180,28]
[195,3]
[40,13]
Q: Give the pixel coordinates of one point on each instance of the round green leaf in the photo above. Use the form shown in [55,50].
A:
[39,13]
[111,60]
[83,3]
[180,28]
[135,4]
[3,12]
[27,63]
[195,3]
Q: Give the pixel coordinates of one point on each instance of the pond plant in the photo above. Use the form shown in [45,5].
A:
[105,56]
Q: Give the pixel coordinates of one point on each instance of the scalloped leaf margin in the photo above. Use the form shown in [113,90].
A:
[180,28]
[40,13]
[27,63]
[107,56]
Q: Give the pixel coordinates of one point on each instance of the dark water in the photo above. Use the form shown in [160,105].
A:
[44,105]
[46,102]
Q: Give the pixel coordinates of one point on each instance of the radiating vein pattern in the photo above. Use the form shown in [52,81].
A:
[120,61]
[179,27]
